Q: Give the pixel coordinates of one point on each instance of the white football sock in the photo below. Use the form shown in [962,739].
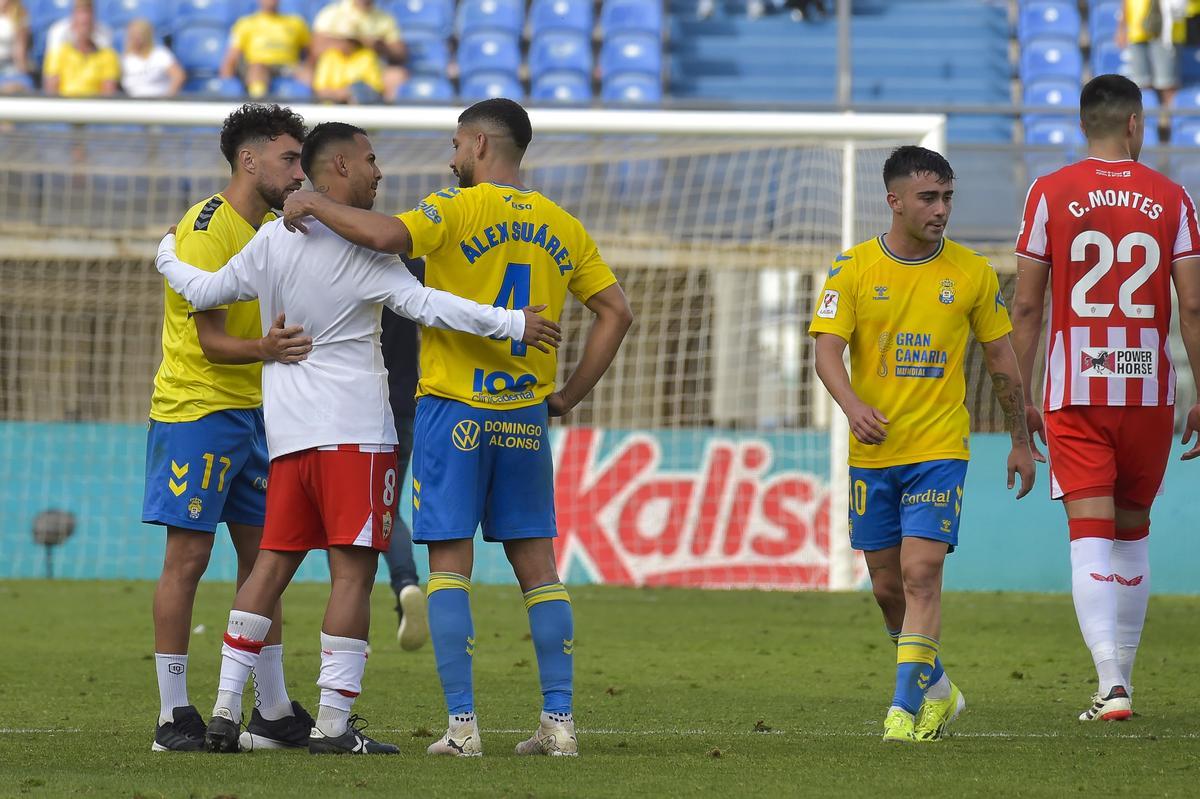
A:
[1131,560]
[239,654]
[343,661]
[172,685]
[1096,605]
[271,694]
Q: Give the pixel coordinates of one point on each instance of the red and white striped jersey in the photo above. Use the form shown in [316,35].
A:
[1110,231]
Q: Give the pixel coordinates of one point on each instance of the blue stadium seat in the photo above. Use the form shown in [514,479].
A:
[1108,59]
[1051,91]
[215,12]
[1048,18]
[490,15]
[562,87]
[1189,64]
[286,88]
[427,87]
[489,51]
[631,52]
[620,16]
[632,87]
[555,15]
[1103,20]
[486,85]
[1051,57]
[1043,163]
[1052,130]
[44,12]
[1188,97]
[560,51]
[37,46]
[428,53]
[435,16]
[1150,100]
[225,88]
[118,13]
[200,48]
[1186,132]
[301,8]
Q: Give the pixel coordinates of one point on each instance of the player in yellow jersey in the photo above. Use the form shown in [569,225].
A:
[904,303]
[481,448]
[206,457]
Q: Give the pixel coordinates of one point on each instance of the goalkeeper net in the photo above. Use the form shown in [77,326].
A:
[707,456]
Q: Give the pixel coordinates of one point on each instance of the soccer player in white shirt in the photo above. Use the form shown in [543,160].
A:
[333,482]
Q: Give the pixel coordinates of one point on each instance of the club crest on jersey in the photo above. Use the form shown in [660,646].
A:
[195,508]
[1117,363]
[465,435]
[387,524]
[946,294]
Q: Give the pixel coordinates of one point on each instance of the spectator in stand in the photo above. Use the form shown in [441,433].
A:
[147,68]
[357,45]
[60,32]
[80,67]
[1148,32]
[800,9]
[14,48]
[265,45]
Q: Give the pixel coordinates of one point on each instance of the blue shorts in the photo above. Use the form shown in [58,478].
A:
[475,466]
[920,500]
[212,470]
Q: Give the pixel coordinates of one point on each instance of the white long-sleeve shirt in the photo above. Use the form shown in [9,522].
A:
[337,291]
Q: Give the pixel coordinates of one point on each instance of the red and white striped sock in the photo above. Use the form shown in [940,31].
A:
[343,661]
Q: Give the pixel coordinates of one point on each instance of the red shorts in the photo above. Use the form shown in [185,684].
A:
[342,496]
[1109,451]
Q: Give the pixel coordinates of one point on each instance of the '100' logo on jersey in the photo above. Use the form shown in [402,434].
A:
[499,387]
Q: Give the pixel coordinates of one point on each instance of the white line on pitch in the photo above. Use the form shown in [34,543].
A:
[33,731]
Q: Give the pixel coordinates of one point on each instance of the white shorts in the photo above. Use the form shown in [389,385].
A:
[1153,65]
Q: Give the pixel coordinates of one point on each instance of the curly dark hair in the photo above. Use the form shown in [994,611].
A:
[255,122]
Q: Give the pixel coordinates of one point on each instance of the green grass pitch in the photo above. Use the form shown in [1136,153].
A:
[678,693]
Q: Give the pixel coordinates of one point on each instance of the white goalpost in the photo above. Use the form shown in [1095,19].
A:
[709,456]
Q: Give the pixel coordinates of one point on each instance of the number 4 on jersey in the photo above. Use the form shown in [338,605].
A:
[514,293]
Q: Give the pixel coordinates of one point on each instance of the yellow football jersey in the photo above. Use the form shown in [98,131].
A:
[508,247]
[271,39]
[82,74]
[187,386]
[906,323]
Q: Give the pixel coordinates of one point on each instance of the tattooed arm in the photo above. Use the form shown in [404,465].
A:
[1006,382]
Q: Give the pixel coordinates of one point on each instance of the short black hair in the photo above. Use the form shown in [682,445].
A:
[505,113]
[1106,103]
[913,160]
[321,137]
[257,122]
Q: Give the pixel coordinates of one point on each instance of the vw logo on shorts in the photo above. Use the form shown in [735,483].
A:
[465,435]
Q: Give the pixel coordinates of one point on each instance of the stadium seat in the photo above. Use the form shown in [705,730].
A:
[631,52]
[118,13]
[43,12]
[286,88]
[428,53]
[1103,19]
[560,51]
[632,87]
[562,87]
[1048,18]
[1189,64]
[230,88]
[489,51]
[200,48]
[1186,132]
[435,16]
[507,16]
[1108,59]
[1049,58]
[558,15]
[486,85]
[301,8]
[1150,100]
[623,16]
[1054,130]
[427,87]
[215,12]
[1051,91]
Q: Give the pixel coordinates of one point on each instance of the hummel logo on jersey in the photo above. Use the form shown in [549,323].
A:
[923,680]
[833,271]
[1114,577]
[881,293]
